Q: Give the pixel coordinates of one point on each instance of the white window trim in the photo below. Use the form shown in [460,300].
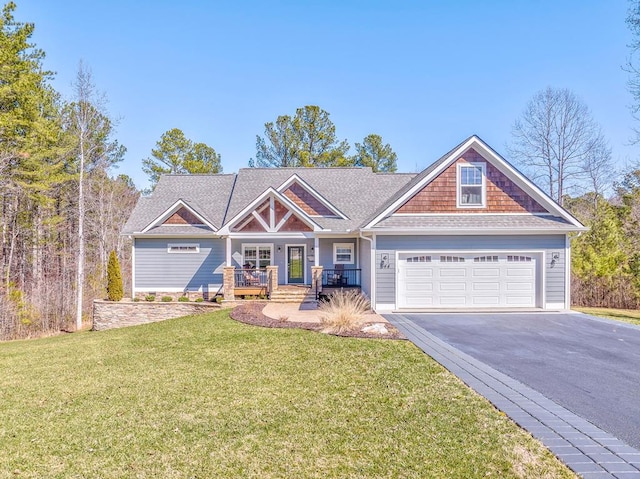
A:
[257,245]
[351,246]
[170,247]
[483,166]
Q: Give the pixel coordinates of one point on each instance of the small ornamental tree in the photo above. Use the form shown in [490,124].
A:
[115,291]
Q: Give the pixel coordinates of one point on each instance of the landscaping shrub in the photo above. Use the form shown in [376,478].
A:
[166,299]
[199,300]
[150,298]
[115,291]
[343,311]
[183,299]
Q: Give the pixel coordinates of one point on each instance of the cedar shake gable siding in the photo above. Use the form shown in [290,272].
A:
[183,217]
[293,224]
[503,195]
[306,201]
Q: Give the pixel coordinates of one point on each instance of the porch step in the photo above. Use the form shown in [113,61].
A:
[293,295]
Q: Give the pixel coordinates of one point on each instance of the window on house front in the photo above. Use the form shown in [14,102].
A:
[471,184]
[183,248]
[343,253]
[256,256]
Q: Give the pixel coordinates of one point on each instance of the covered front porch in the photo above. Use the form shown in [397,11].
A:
[262,282]
[259,265]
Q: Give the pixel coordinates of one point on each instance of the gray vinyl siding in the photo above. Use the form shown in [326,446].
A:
[387,246]
[156,268]
[279,258]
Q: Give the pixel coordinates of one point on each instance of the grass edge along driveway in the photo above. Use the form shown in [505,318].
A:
[631,316]
[204,396]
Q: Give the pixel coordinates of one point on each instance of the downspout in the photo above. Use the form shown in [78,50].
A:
[373,270]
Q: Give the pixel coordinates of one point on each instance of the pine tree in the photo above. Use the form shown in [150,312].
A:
[115,290]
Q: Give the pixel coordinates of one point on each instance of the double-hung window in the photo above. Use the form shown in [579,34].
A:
[471,185]
[257,256]
[343,253]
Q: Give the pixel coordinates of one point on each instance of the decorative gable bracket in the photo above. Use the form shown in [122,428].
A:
[271,212]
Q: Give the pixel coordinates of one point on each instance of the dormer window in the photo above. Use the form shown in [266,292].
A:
[471,185]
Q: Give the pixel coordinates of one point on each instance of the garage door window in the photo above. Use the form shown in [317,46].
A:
[419,259]
[451,259]
[518,259]
[486,259]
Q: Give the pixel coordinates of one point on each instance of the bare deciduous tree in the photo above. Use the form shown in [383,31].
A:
[559,144]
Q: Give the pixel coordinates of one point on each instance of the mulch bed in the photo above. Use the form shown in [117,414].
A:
[251,313]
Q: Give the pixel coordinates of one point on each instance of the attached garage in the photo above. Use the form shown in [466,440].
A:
[432,279]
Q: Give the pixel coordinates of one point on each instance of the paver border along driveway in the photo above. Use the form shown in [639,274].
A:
[531,365]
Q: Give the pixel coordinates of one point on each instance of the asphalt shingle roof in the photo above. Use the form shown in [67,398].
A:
[208,195]
[355,192]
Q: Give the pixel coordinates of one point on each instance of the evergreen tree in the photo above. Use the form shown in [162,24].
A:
[115,290]
[176,154]
[374,154]
[308,139]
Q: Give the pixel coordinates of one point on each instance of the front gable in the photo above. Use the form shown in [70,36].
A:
[180,214]
[183,217]
[442,190]
[308,199]
[440,195]
[271,213]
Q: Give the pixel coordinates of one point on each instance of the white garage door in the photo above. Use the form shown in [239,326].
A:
[491,280]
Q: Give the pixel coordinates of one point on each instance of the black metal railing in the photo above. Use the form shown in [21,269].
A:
[340,278]
[249,277]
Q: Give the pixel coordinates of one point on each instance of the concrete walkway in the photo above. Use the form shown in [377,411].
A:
[584,448]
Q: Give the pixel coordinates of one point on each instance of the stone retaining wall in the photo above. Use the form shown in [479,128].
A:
[109,314]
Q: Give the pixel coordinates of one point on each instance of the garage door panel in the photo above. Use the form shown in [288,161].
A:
[520,272]
[486,287]
[418,273]
[516,287]
[491,280]
[451,301]
[486,300]
[486,272]
[419,288]
[452,286]
[446,271]
[513,300]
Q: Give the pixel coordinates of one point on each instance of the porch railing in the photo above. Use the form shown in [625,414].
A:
[340,278]
[251,278]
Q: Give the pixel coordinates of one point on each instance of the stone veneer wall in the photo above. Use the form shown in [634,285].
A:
[110,315]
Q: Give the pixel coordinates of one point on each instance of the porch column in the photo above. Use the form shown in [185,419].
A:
[316,251]
[316,278]
[228,252]
[228,282]
[272,277]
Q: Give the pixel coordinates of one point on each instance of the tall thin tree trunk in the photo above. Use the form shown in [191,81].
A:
[80,265]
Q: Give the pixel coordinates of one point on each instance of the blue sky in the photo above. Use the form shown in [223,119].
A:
[423,74]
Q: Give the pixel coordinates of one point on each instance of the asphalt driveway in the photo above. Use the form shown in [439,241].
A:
[589,366]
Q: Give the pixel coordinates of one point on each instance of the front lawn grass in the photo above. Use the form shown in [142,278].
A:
[206,397]
[627,315]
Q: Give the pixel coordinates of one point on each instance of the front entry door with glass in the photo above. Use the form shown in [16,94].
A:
[295,264]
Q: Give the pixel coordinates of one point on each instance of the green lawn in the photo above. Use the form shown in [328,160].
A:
[206,397]
[627,315]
